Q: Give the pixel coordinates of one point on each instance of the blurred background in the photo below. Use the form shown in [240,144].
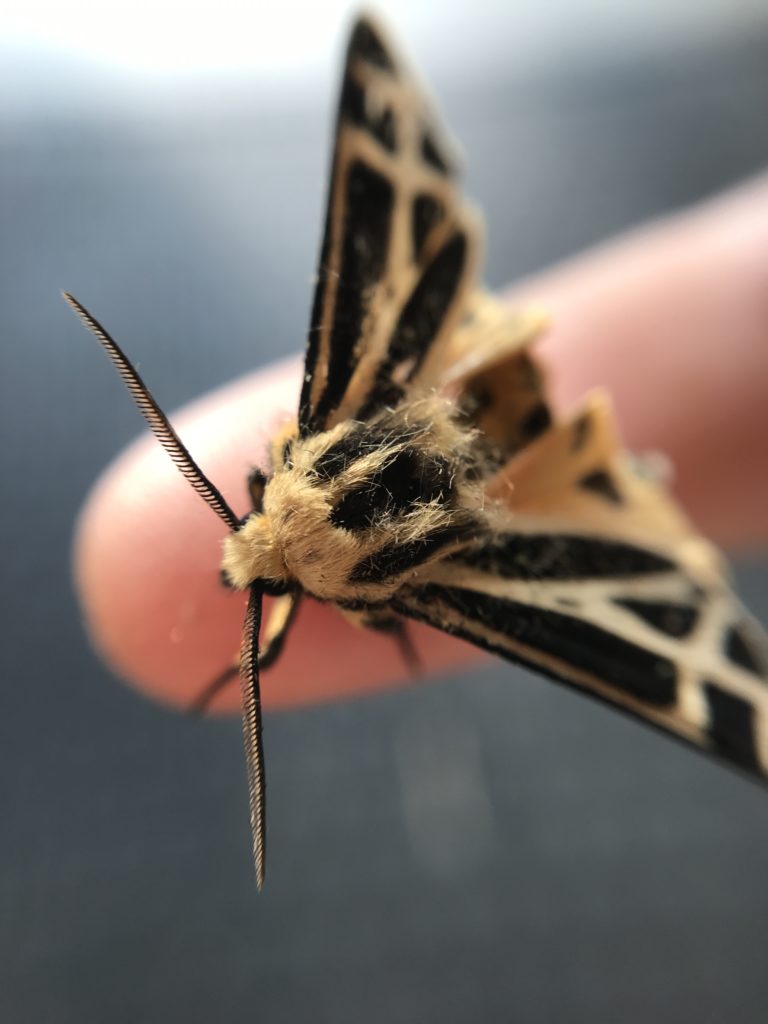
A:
[493,848]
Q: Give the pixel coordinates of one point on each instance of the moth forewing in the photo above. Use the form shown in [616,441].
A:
[400,248]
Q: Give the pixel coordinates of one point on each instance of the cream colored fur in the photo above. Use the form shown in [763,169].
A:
[294,539]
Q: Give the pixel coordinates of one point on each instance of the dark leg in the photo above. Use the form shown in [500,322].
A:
[280,620]
[202,701]
[411,656]
[398,630]
[257,481]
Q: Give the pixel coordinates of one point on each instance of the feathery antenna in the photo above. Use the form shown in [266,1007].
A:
[249,653]
[158,422]
[254,750]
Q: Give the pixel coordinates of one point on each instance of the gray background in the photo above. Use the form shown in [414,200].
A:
[492,848]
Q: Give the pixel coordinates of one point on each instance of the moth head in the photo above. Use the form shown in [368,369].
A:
[289,537]
[252,554]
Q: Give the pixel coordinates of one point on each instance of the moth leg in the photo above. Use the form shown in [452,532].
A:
[202,701]
[281,617]
[257,481]
[398,629]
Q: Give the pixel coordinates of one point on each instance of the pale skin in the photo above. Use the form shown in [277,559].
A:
[672,319]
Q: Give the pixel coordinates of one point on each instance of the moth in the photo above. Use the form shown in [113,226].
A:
[426,477]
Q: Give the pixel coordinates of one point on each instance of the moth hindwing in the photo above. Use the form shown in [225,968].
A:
[426,477]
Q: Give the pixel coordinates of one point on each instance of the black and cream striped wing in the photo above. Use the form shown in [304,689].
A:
[592,576]
[400,249]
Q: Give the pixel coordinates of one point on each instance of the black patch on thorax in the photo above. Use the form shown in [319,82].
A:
[409,478]
[360,440]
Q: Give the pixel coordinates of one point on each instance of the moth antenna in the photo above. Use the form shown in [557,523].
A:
[158,422]
[254,749]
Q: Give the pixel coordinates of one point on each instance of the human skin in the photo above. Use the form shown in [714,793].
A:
[672,319]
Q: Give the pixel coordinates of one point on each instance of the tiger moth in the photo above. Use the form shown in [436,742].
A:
[426,477]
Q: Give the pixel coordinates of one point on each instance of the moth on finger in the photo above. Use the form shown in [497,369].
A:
[426,478]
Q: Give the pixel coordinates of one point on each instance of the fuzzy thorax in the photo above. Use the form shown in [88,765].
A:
[352,512]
